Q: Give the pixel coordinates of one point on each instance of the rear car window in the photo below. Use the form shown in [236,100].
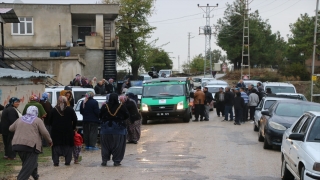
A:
[281,89]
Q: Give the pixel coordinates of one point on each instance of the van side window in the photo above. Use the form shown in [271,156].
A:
[78,95]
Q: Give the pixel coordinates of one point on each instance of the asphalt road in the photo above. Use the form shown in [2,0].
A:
[176,150]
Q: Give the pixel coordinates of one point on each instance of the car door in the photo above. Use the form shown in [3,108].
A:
[257,112]
[295,146]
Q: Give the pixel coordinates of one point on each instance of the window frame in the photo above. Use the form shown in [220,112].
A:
[26,29]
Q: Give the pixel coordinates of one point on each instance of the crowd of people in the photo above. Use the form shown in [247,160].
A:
[240,99]
[40,125]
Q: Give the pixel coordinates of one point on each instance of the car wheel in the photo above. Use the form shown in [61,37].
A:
[260,137]
[187,117]
[144,120]
[302,173]
[266,145]
[285,173]
[255,128]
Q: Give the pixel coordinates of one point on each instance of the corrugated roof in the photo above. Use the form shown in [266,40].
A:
[8,15]
[4,72]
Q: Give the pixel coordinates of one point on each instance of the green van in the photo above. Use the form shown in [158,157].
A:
[166,98]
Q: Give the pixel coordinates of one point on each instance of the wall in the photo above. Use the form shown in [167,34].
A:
[94,42]
[76,23]
[46,19]
[94,64]
[23,92]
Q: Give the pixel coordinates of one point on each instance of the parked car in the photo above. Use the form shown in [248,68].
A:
[101,100]
[300,150]
[279,87]
[205,80]
[264,105]
[292,96]
[196,82]
[77,92]
[279,117]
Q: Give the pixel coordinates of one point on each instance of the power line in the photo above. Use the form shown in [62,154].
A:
[285,9]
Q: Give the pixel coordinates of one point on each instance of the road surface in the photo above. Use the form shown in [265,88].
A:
[176,150]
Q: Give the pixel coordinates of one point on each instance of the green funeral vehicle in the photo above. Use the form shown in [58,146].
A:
[166,98]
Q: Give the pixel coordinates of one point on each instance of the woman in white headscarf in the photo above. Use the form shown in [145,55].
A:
[28,131]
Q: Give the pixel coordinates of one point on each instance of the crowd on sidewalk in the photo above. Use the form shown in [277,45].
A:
[40,125]
[236,104]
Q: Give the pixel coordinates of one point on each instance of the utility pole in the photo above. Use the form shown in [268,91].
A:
[189,37]
[314,76]
[245,61]
[207,31]
[179,64]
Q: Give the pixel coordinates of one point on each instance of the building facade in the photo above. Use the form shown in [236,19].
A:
[63,39]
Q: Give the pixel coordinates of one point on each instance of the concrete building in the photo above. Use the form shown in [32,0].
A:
[21,84]
[86,31]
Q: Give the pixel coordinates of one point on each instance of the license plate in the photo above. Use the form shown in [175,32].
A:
[163,114]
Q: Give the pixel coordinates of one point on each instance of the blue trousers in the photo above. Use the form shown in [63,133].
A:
[227,111]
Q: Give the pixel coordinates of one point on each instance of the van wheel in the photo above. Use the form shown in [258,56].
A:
[144,120]
[187,117]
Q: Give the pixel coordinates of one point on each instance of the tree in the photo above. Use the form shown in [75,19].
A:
[197,64]
[133,31]
[159,59]
[301,39]
[263,42]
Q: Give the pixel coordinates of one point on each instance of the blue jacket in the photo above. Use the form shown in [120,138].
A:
[90,112]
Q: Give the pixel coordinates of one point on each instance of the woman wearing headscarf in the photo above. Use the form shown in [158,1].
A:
[68,95]
[134,123]
[9,115]
[34,101]
[47,107]
[113,130]
[89,109]
[63,122]
[28,131]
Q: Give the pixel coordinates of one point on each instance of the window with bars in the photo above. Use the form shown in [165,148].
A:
[25,27]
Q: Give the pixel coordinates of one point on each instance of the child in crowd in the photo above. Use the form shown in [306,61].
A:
[77,146]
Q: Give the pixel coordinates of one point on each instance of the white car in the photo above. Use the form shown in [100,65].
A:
[301,148]
[101,100]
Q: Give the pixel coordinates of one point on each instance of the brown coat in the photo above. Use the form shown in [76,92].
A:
[29,134]
[199,97]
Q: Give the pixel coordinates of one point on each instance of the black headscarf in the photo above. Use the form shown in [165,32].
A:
[113,100]
[12,101]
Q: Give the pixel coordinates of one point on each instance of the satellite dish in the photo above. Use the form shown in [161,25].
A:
[18,2]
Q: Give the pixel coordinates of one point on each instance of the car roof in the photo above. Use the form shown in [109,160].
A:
[95,97]
[137,87]
[158,80]
[278,84]
[217,82]
[316,113]
[274,98]
[289,94]
[298,101]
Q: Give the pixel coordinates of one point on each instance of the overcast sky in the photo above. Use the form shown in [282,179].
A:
[175,18]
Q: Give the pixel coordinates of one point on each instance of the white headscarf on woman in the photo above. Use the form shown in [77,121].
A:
[31,115]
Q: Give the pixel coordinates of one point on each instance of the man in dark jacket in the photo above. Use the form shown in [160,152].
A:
[89,108]
[241,84]
[238,108]
[100,88]
[110,87]
[228,100]
[219,102]
[207,102]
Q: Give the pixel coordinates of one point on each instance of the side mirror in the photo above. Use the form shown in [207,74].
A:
[192,94]
[296,136]
[266,113]
[258,108]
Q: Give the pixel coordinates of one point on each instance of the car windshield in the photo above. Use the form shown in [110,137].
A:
[135,91]
[314,134]
[293,109]
[163,90]
[213,89]
[165,72]
[268,103]
[100,102]
[281,89]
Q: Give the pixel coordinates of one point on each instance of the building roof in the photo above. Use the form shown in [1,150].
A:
[4,72]
[8,15]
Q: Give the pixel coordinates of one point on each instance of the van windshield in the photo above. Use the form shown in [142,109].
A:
[281,89]
[164,90]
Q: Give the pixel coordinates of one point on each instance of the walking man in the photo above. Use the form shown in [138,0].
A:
[228,99]
[245,108]
[253,102]
[199,98]
[89,108]
[207,102]
[219,98]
